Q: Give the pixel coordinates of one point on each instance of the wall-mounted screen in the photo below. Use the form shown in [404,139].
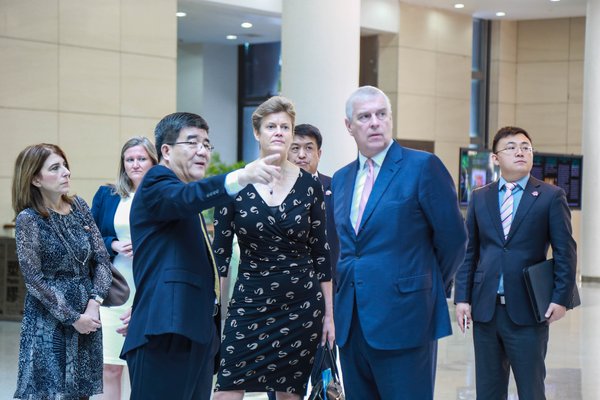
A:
[564,170]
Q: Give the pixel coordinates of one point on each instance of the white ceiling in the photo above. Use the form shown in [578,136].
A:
[209,22]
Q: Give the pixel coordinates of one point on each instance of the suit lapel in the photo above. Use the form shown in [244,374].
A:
[530,195]
[491,199]
[389,168]
[349,181]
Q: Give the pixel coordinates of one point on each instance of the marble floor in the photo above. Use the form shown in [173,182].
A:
[573,361]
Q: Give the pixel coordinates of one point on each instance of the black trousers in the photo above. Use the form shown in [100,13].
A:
[172,366]
[501,345]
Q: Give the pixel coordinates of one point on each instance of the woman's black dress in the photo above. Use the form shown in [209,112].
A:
[275,317]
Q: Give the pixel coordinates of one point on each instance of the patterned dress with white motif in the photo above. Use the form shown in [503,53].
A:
[275,317]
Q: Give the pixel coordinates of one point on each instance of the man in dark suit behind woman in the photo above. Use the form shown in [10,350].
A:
[305,152]
[402,237]
[511,224]
[173,336]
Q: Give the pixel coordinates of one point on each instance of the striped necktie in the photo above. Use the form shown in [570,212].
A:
[506,209]
[212,261]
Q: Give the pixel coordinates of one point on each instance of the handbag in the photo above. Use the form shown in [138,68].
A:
[334,387]
[118,292]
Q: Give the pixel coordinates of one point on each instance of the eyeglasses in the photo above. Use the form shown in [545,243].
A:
[192,144]
[515,149]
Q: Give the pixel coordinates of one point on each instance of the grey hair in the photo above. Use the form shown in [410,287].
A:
[364,92]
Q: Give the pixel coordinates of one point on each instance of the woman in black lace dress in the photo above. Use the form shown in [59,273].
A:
[60,354]
[281,308]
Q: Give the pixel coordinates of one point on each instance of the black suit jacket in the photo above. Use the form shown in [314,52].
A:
[542,219]
[172,270]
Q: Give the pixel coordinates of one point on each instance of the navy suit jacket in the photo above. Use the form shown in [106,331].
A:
[104,207]
[332,237]
[542,219]
[172,270]
[397,268]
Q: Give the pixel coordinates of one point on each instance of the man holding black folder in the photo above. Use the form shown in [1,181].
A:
[512,222]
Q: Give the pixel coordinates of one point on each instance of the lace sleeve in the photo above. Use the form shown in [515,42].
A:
[102,274]
[29,253]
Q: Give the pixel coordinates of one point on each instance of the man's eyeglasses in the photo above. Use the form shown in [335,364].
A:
[192,144]
[512,149]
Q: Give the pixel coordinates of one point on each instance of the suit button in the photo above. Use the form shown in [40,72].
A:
[504,249]
[351,284]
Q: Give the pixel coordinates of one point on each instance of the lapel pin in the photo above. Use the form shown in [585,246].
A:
[535,194]
[328,193]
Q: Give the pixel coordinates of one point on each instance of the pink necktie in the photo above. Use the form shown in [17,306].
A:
[369,181]
[506,210]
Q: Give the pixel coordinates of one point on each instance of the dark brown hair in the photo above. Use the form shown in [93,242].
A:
[28,165]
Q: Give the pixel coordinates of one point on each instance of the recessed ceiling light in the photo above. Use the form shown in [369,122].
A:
[459,5]
[180,14]
[554,0]
[246,25]
[500,14]
[231,37]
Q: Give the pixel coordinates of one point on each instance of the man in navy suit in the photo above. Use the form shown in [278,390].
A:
[399,248]
[173,333]
[511,224]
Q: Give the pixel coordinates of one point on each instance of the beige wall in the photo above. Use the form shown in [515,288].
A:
[86,75]
[503,75]
[426,71]
[549,84]
[536,80]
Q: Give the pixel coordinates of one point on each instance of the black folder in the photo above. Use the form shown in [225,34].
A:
[539,279]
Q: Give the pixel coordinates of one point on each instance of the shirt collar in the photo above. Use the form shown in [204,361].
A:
[521,182]
[377,158]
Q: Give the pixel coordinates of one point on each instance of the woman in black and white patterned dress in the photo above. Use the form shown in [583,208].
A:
[281,308]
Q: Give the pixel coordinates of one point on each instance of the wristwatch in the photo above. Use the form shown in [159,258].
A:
[97,299]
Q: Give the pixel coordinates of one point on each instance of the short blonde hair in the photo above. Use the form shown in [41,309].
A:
[273,105]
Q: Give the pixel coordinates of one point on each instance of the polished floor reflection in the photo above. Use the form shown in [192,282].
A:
[573,360]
